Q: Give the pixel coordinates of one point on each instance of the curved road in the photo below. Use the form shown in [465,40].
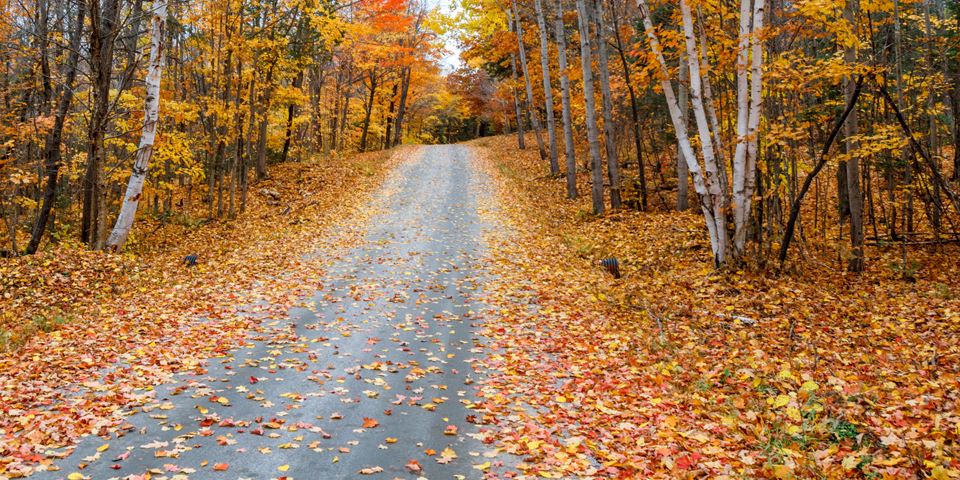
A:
[373,373]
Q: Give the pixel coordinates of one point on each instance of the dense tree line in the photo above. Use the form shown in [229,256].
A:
[756,105]
[242,84]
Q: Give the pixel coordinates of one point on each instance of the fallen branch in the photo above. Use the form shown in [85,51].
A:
[744,320]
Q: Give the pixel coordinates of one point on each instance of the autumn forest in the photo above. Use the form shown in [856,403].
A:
[479,238]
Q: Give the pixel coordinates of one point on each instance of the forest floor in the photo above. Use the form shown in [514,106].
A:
[84,333]
[830,375]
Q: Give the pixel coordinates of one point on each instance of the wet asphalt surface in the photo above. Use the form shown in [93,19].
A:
[376,368]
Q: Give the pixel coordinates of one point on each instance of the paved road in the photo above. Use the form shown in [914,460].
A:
[387,337]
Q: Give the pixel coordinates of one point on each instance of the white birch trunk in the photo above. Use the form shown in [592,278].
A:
[706,143]
[740,172]
[753,133]
[691,159]
[138,174]
[712,112]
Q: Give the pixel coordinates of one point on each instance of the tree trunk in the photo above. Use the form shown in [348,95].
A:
[570,157]
[633,110]
[102,41]
[387,139]
[609,134]
[291,112]
[855,196]
[516,92]
[264,121]
[931,115]
[531,109]
[547,90]
[369,110]
[141,165]
[590,106]
[51,148]
[343,118]
[683,173]
[402,107]
[711,170]
[904,156]
[710,216]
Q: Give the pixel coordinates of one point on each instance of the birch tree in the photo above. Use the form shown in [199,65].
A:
[141,165]
[707,182]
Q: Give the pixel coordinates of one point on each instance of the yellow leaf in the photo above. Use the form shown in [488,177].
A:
[793,413]
[781,400]
[283,468]
[103,448]
[809,386]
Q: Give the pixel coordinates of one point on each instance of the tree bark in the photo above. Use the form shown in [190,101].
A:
[264,122]
[369,110]
[516,92]
[570,157]
[609,132]
[387,138]
[749,101]
[711,170]
[586,55]
[534,120]
[710,217]
[51,147]
[102,40]
[547,90]
[402,107]
[138,173]
[683,173]
[291,113]
[855,263]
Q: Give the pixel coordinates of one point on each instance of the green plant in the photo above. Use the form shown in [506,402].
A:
[908,270]
[842,429]
[507,171]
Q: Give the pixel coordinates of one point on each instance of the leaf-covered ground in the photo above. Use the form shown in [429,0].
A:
[86,334]
[653,375]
